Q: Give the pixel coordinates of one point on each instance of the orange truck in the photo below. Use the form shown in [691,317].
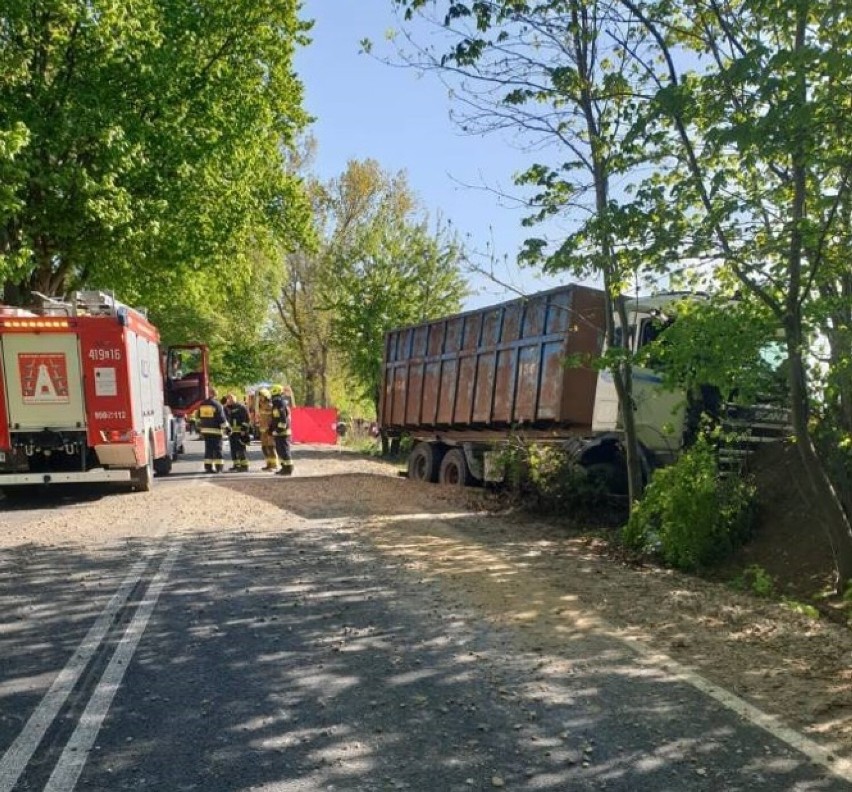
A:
[83,395]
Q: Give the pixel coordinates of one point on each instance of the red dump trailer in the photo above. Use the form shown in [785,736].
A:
[464,385]
[461,384]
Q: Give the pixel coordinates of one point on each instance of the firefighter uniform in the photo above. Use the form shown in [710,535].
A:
[212,425]
[240,425]
[279,428]
[264,417]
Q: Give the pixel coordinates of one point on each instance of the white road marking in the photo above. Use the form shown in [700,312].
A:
[20,752]
[817,753]
[67,771]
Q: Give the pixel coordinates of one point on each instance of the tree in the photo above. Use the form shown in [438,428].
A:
[753,108]
[299,300]
[564,75]
[386,269]
[301,311]
[376,266]
[398,276]
[144,145]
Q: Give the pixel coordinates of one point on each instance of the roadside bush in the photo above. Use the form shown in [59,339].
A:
[362,445]
[689,516]
[544,479]
[756,580]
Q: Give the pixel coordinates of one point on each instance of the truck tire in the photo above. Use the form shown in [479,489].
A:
[424,462]
[454,470]
[142,478]
[609,477]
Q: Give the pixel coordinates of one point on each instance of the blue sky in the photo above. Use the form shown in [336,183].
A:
[365,109]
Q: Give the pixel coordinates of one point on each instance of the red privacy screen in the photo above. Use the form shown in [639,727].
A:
[314,425]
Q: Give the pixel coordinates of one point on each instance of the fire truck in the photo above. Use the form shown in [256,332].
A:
[83,395]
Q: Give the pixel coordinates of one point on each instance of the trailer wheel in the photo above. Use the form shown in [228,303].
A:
[424,462]
[142,478]
[454,470]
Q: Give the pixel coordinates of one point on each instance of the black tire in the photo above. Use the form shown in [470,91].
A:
[454,470]
[142,478]
[163,466]
[424,462]
[609,477]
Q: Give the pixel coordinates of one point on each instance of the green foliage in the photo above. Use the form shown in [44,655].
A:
[376,266]
[384,269]
[755,579]
[801,607]
[143,145]
[690,517]
[835,446]
[546,480]
[361,444]
[729,344]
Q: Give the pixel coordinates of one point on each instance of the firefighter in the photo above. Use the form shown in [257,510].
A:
[279,428]
[212,425]
[240,424]
[264,416]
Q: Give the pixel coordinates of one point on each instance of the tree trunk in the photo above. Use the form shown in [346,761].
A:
[839,337]
[324,376]
[310,387]
[824,499]
[622,377]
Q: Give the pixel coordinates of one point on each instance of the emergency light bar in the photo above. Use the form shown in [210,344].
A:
[28,324]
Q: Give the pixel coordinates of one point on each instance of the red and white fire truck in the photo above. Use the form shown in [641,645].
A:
[82,395]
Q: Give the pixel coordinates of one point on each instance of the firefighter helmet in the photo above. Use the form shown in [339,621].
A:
[276,390]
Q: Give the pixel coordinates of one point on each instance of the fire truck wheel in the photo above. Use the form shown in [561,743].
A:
[163,466]
[142,478]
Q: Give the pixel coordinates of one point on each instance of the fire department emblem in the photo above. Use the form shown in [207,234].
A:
[44,378]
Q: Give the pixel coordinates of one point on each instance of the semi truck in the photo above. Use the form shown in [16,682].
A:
[82,395]
[462,386]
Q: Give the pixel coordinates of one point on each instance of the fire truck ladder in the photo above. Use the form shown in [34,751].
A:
[84,303]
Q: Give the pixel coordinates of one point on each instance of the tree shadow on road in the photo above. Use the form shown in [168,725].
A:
[304,660]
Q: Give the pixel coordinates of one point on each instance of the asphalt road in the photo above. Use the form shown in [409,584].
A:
[305,660]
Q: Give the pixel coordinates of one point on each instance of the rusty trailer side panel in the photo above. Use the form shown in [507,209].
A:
[496,368]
